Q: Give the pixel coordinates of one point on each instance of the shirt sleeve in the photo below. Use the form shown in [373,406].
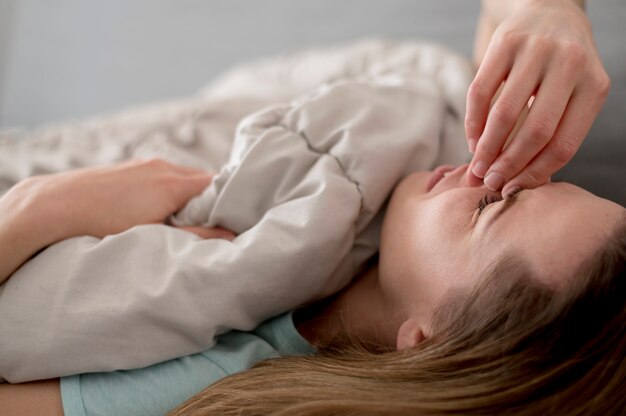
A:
[153,390]
[159,388]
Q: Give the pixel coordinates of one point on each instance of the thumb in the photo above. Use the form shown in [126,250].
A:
[210,232]
[188,186]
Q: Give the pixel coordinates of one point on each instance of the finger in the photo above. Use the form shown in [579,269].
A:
[572,129]
[187,170]
[208,233]
[165,165]
[186,187]
[536,131]
[471,180]
[502,117]
[490,75]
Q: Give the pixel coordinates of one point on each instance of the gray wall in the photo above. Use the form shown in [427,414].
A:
[73,58]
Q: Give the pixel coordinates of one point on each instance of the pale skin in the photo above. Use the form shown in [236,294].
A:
[393,302]
[104,200]
[544,50]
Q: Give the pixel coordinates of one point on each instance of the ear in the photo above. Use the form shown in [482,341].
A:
[409,335]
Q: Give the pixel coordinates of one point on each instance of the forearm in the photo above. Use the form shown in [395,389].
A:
[22,232]
[37,398]
[492,13]
[97,202]
[14,250]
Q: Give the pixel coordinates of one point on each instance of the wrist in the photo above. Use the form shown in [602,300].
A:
[498,10]
[518,5]
[25,207]
[22,233]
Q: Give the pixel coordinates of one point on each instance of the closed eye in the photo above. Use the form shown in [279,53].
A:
[486,200]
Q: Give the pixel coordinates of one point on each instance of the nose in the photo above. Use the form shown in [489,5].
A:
[452,179]
[457,175]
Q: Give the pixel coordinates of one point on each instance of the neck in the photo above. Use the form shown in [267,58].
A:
[360,310]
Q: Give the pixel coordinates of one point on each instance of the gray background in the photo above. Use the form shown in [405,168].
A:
[68,59]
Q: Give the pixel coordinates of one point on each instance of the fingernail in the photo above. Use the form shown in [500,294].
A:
[472,145]
[480,168]
[494,181]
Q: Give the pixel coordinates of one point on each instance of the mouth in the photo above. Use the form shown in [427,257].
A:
[437,175]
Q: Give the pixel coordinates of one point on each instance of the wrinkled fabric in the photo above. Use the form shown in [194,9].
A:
[303,185]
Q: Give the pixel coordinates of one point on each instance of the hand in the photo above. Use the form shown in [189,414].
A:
[545,51]
[42,210]
[107,200]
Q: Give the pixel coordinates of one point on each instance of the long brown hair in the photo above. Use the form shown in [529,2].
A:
[510,347]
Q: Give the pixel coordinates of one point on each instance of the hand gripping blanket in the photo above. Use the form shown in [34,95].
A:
[304,185]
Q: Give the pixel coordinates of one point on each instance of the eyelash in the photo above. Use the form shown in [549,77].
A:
[486,200]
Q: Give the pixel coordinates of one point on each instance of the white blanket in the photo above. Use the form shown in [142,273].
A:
[304,187]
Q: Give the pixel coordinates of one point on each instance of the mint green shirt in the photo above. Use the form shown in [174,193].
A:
[159,388]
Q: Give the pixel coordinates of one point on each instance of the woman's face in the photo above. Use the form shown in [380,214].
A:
[434,240]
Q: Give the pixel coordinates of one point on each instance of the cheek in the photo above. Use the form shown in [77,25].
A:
[426,247]
[442,237]
[419,227]
[397,252]
[443,222]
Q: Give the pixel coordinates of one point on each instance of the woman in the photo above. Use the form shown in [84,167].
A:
[412,331]
[540,331]
[472,285]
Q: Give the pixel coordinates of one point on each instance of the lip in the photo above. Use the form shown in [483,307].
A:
[438,175]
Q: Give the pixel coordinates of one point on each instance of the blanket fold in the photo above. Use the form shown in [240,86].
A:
[304,187]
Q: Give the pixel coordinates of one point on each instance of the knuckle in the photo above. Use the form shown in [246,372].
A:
[29,185]
[603,82]
[504,112]
[509,38]
[30,181]
[169,185]
[469,124]
[539,46]
[507,165]
[536,141]
[574,55]
[534,178]
[134,162]
[564,149]
[477,90]
[472,127]
[203,232]
[155,162]
[486,150]
[540,129]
